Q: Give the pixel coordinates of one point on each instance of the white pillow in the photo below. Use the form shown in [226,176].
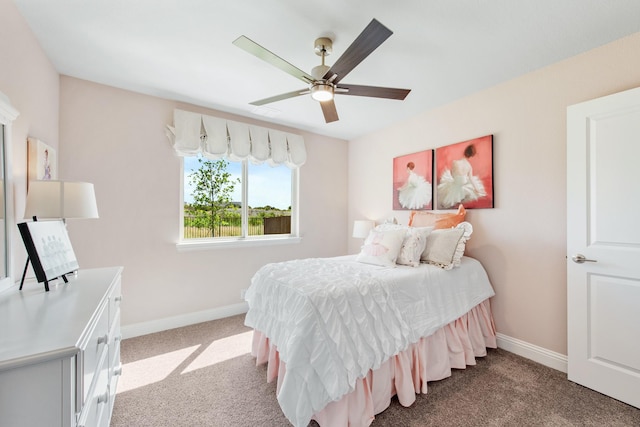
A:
[445,247]
[382,247]
[413,244]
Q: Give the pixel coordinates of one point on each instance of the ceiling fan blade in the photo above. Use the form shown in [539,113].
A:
[329,111]
[281,97]
[373,91]
[255,49]
[369,39]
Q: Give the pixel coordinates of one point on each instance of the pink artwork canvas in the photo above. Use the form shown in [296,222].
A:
[413,181]
[464,174]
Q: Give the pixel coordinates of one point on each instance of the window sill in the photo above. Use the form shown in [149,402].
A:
[207,244]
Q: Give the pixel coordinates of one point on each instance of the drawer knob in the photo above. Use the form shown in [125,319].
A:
[118,338]
[104,397]
[118,298]
[103,339]
[117,371]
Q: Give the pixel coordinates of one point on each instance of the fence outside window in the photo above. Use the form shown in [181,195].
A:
[229,224]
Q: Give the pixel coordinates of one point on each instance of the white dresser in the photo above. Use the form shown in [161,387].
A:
[60,351]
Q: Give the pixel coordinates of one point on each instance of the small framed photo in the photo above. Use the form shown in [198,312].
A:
[42,161]
[49,249]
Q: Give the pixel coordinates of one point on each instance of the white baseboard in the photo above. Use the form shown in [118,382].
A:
[537,354]
[144,328]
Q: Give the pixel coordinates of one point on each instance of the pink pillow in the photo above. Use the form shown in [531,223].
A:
[437,220]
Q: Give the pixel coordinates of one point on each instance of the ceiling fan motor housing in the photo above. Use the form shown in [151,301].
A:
[323,46]
[319,71]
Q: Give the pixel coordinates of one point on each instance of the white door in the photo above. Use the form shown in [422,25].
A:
[603,226]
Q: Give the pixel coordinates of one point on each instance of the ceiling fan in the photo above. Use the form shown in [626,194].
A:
[324,81]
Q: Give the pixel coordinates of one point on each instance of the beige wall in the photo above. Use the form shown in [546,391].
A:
[28,78]
[521,241]
[116,139]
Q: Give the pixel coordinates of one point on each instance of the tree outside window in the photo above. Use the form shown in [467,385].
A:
[213,187]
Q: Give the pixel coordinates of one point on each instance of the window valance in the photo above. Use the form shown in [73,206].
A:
[215,138]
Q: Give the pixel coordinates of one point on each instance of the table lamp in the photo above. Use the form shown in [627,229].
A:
[59,200]
[361,228]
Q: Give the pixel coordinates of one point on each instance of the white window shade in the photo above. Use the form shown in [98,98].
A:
[216,138]
[216,143]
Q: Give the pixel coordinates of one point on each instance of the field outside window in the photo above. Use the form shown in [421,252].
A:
[225,199]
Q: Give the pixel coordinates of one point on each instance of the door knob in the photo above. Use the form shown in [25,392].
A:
[580,259]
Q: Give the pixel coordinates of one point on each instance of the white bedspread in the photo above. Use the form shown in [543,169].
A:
[334,319]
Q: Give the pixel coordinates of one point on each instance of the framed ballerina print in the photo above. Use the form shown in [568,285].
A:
[42,162]
[413,181]
[464,174]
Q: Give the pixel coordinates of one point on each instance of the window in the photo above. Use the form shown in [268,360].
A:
[227,200]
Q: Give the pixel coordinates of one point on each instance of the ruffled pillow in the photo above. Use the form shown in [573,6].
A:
[382,247]
[445,247]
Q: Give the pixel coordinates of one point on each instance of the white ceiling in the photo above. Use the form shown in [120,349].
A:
[441,49]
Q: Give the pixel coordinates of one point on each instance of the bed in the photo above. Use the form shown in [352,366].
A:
[343,335]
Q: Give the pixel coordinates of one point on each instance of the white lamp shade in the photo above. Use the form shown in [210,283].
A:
[361,228]
[61,199]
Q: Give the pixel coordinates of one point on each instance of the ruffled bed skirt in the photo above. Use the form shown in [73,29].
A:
[456,345]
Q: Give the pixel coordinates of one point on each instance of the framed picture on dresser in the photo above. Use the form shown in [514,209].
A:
[49,249]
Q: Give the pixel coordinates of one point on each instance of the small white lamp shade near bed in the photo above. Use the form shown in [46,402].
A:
[361,228]
[61,199]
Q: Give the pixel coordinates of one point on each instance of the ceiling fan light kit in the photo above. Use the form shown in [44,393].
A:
[324,81]
[322,91]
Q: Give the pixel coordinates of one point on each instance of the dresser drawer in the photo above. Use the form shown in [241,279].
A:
[115,370]
[115,299]
[115,334]
[92,352]
[97,405]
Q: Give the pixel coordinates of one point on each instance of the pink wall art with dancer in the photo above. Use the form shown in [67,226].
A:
[413,181]
[464,174]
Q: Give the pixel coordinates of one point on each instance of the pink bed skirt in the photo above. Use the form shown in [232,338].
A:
[456,345]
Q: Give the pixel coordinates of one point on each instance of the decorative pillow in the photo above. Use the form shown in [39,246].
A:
[382,247]
[450,220]
[445,247]
[385,226]
[437,220]
[413,244]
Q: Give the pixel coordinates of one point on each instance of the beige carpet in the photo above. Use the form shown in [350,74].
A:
[203,375]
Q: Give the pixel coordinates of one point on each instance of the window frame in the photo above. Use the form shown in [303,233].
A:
[245,240]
